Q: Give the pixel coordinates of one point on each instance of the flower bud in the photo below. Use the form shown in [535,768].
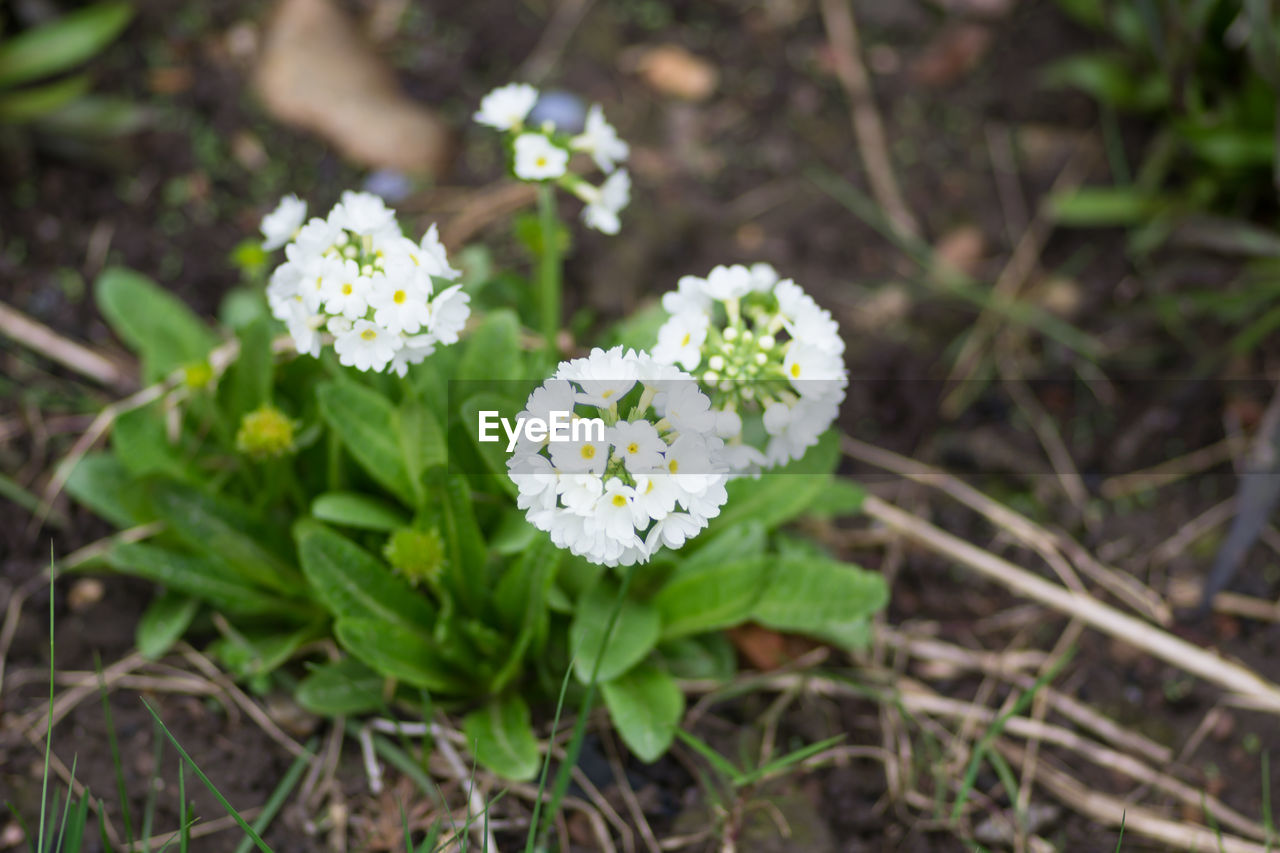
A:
[265,433]
[416,554]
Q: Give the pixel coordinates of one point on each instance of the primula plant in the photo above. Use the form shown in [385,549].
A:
[319,469]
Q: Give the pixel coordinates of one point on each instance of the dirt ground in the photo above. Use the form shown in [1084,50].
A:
[741,177]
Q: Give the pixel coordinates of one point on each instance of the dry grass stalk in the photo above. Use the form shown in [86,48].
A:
[1173,470]
[1208,665]
[44,341]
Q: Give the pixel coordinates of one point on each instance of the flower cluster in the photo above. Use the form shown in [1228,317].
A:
[355,275]
[770,358]
[652,476]
[542,152]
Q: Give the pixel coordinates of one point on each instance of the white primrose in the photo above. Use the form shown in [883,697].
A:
[537,158]
[770,359]
[279,226]
[600,140]
[356,276]
[605,203]
[506,107]
[645,483]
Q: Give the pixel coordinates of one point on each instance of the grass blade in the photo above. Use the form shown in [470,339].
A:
[48,731]
[235,815]
[114,744]
[531,840]
[279,795]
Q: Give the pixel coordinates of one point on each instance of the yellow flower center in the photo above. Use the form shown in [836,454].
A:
[588,451]
[685,341]
[673,466]
[368,334]
[541,162]
[795,371]
[619,500]
[633,448]
[398,297]
[346,289]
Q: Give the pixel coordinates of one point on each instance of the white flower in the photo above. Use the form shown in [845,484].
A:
[813,371]
[580,457]
[605,376]
[432,257]
[346,291]
[615,512]
[680,339]
[414,349]
[449,312]
[688,409]
[689,297]
[507,106]
[399,304]
[580,492]
[606,202]
[366,346]
[600,140]
[537,158]
[638,445]
[725,283]
[763,277]
[805,424]
[365,214]
[279,226]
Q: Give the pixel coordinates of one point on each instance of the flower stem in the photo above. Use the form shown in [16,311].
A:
[549,264]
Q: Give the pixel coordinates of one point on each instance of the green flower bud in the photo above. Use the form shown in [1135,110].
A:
[197,375]
[265,433]
[416,554]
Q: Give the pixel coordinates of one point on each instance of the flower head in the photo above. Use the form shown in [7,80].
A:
[600,140]
[356,276]
[605,202]
[641,481]
[770,359]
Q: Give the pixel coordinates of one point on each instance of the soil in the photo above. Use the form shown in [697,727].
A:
[739,178]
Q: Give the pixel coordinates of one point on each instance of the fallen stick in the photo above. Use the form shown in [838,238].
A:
[48,343]
[1208,665]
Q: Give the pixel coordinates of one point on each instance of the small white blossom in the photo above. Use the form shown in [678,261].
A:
[365,214]
[606,202]
[279,226]
[680,340]
[600,140]
[506,107]
[367,346]
[639,446]
[537,158]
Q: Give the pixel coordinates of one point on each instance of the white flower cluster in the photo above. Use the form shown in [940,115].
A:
[655,476]
[770,358]
[355,275]
[542,153]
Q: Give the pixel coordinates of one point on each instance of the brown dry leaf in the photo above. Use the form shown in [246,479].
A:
[951,54]
[317,73]
[764,649]
[84,594]
[962,249]
[673,71]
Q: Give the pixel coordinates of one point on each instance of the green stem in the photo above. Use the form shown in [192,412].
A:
[549,264]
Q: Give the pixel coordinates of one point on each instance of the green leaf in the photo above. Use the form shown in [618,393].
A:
[224,532]
[634,634]
[707,656]
[514,533]
[200,577]
[63,43]
[493,352]
[520,599]
[401,652]
[493,453]
[152,321]
[95,116]
[342,687]
[1105,206]
[352,509]
[501,738]
[36,102]
[246,385]
[140,442]
[165,620]
[781,494]
[645,706]
[705,599]
[103,484]
[638,330]
[1108,79]
[258,651]
[468,555]
[393,446]
[838,498]
[822,598]
[355,585]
